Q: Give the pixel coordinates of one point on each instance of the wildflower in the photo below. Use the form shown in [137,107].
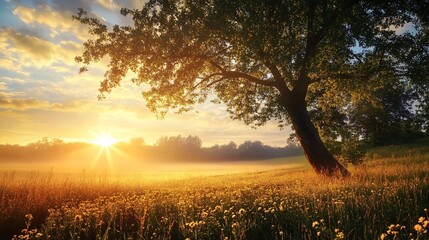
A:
[315,224]
[425,223]
[78,217]
[39,235]
[418,228]
[241,211]
[383,236]
[340,235]
[28,216]
[281,233]
[421,219]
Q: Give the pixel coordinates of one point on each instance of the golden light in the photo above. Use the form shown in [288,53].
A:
[105,141]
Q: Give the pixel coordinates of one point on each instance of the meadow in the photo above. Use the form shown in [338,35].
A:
[387,197]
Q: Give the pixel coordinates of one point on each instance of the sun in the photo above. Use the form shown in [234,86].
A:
[105,141]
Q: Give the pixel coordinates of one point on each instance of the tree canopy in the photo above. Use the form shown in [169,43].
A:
[267,59]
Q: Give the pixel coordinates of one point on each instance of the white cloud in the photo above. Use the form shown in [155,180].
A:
[3,86]
[21,51]
[56,21]
[108,4]
[408,27]
[37,49]
[15,101]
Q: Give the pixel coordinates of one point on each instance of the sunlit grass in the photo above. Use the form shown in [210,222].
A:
[384,198]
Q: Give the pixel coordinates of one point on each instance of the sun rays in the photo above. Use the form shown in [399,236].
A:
[107,147]
[105,141]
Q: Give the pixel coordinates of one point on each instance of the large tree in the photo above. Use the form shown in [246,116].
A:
[263,59]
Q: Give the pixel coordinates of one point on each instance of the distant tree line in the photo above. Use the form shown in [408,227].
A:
[46,148]
[174,148]
[190,147]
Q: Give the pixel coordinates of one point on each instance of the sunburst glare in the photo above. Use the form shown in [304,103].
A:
[105,141]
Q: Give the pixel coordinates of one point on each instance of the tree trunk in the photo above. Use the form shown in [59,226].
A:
[315,151]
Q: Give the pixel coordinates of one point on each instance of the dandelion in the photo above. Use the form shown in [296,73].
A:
[78,217]
[340,235]
[241,211]
[29,217]
[281,233]
[418,228]
[315,224]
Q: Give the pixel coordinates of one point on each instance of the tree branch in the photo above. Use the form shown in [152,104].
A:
[280,83]
[216,81]
[313,39]
[232,74]
[205,79]
[236,74]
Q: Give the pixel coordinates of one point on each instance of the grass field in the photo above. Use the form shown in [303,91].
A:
[386,198]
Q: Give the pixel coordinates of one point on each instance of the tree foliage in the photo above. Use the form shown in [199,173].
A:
[269,59]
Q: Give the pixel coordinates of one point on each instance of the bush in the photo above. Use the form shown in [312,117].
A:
[353,151]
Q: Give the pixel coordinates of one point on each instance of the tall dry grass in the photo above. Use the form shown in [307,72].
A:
[386,198]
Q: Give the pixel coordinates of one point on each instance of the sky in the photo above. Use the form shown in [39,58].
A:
[43,95]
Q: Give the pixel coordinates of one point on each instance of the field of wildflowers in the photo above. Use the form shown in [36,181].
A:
[385,198]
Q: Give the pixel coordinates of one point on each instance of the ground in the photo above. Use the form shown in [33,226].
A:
[387,197]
